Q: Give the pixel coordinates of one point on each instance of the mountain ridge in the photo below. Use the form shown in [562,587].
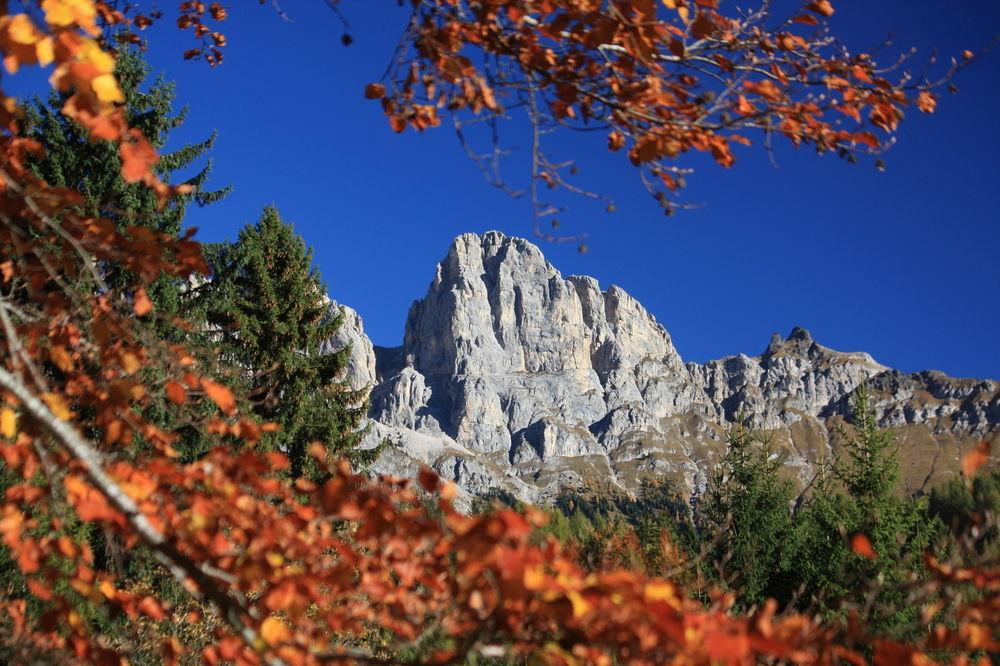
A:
[512,377]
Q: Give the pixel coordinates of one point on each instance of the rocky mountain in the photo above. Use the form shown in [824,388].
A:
[512,377]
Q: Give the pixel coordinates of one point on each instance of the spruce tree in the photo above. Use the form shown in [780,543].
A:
[268,309]
[93,168]
[746,515]
[860,497]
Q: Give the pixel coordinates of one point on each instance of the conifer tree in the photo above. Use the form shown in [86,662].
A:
[94,168]
[269,310]
[860,497]
[746,516]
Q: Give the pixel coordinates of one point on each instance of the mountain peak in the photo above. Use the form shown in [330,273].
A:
[799,334]
[512,376]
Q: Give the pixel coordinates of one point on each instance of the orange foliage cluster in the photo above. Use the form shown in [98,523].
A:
[299,572]
[665,77]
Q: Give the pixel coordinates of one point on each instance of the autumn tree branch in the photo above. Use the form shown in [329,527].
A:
[180,566]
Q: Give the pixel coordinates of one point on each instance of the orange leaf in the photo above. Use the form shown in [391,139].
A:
[926,102]
[862,546]
[61,358]
[176,393]
[141,302]
[861,74]
[273,631]
[220,395]
[152,608]
[975,459]
[138,158]
[821,7]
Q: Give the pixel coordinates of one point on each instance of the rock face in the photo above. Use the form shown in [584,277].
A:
[512,377]
[360,372]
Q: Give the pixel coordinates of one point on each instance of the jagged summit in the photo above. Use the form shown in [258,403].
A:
[512,376]
[799,334]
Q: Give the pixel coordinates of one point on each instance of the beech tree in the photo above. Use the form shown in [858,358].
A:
[302,571]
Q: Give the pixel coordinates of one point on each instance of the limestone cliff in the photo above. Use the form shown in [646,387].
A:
[512,376]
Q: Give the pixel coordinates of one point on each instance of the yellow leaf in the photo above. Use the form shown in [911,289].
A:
[130,363]
[102,61]
[21,30]
[106,88]
[273,631]
[661,591]
[535,578]
[8,422]
[580,605]
[57,404]
[57,12]
[66,12]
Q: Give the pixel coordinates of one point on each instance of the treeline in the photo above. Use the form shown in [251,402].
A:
[851,547]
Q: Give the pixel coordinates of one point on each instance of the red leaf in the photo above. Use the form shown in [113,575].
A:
[374,91]
[428,479]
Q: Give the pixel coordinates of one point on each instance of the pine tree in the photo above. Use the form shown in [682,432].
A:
[267,307]
[746,516]
[93,168]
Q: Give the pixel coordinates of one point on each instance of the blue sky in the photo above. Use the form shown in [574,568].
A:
[903,264]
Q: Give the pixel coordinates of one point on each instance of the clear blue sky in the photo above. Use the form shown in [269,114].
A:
[903,264]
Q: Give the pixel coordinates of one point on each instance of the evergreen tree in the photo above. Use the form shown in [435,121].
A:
[961,504]
[267,308]
[860,496]
[746,516]
[93,168]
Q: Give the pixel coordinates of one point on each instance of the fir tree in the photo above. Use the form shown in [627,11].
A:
[267,306]
[745,515]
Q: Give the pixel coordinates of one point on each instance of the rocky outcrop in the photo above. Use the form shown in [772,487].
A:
[360,372]
[511,376]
